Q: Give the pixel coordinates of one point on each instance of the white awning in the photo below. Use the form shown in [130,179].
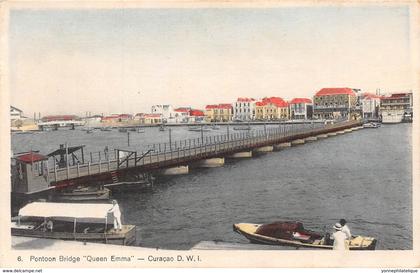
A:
[65,210]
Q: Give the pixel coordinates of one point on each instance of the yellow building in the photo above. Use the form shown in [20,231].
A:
[273,108]
[219,113]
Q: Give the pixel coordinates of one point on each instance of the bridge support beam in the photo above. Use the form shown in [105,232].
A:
[332,134]
[175,170]
[340,132]
[322,136]
[211,162]
[264,149]
[247,154]
[348,130]
[283,145]
[298,142]
[311,139]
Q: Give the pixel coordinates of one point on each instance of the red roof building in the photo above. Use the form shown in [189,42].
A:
[196,113]
[59,118]
[300,100]
[335,103]
[335,91]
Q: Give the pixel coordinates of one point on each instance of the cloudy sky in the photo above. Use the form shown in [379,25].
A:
[125,60]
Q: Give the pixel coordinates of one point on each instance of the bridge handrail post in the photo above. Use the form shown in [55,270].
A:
[78,170]
[109,163]
[89,168]
[100,165]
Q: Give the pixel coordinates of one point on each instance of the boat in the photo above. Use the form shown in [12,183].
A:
[132,129]
[71,221]
[215,127]
[242,128]
[122,130]
[199,129]
[162,128]
[127,186]
[140,131]
[105,129]
[287,233]
[371,125]
[81,193]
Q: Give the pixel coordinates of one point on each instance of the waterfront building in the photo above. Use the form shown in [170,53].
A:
[115,118]
[182,114]
[335,103]
[219,112]
[167,112]
[273,108]
[244,109]
[92,120]
[370,105]
[397,107]
[196,116]
[145,118]
[301,108]
[15,113]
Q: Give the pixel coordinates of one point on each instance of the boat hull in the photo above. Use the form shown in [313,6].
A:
[249,232]
[83,196]
[127,236]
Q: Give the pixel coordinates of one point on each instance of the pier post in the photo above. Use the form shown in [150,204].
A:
[55,171]
[100,165]
[78,170]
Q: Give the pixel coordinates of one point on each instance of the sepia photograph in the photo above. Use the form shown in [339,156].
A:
[208,134]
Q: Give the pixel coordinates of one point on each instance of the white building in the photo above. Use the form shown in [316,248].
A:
[370,105]
[301,108]
[244,109]
[167,112]
[182,114]
[15,113]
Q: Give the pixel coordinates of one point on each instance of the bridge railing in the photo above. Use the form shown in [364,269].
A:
[197,148]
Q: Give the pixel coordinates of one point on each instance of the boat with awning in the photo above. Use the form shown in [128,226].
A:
[71,221]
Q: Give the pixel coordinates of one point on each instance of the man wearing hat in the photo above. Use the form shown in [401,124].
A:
[339,238]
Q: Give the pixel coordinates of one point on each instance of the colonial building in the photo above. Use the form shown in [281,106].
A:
[244,109]
[334,103]
[15,113]
[182,114]
[148,118]
[219,112]
[397,107]
[167,112]
[370,105]
[196,116]
[273,108]
[301,108]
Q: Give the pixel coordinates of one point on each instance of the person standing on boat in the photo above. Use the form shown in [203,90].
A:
[115,210]
[339,238]
[345,228]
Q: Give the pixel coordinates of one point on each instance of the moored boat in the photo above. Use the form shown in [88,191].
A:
[71,221]
[80,194]
[293,234]
[371,125]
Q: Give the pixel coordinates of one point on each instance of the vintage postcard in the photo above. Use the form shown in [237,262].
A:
[209,134]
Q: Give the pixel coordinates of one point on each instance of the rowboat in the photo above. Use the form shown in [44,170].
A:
[293,234]
[371,125]
[71,221]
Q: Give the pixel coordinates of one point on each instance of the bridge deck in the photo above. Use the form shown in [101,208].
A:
[163,157]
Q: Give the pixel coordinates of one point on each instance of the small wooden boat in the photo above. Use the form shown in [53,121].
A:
[141,131]
[71,221]
[122,130]
[132,129]
[81,194]
[371,125]
[105,129]
[293,234]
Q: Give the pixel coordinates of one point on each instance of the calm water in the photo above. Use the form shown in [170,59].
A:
[364,176]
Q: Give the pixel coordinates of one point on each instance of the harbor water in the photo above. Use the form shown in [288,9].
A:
[364,176]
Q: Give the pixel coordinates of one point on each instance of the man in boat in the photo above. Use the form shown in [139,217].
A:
[115,210]
[345,228]
[339,238]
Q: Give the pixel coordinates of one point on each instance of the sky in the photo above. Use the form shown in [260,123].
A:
[126,60]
